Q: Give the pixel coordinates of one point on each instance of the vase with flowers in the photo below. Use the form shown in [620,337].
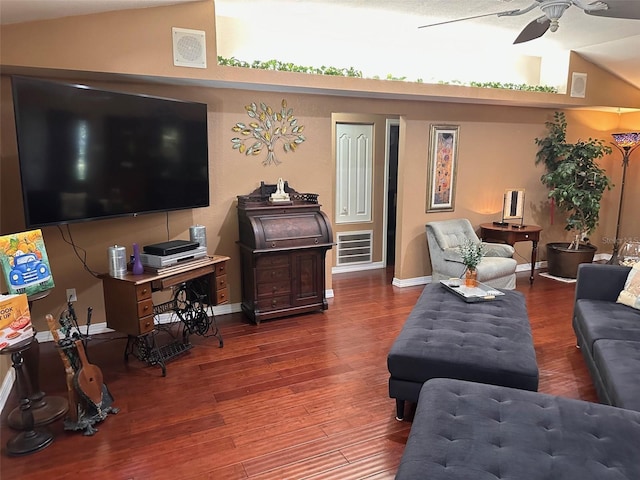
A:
[471,253]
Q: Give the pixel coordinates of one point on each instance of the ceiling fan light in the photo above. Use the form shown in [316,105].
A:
[627,140]
[553,11]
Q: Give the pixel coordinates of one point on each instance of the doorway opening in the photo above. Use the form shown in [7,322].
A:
[393,135]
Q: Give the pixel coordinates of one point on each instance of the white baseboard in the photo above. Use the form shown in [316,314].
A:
[410,282]
[358,267]
[5,390]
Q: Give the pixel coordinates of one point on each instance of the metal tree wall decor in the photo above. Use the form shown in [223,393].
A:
[267,128]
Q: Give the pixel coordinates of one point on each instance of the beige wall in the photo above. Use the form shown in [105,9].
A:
[496,149]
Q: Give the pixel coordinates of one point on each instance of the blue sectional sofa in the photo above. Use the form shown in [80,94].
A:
[608,334]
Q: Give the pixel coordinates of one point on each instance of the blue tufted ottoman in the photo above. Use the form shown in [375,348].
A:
[488,342]
[471,431]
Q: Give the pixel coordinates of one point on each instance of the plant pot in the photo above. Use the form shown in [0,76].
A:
[563,261]
[471,278]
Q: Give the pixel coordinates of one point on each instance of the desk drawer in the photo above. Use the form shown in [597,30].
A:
[221,282]
[145,307]
[274,303]
[270,275]
[272,261]
[145,325]
[273,288]
[143,291]
[222,296]
[221,268]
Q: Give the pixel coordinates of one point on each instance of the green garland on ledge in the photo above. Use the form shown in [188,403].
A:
[352,72]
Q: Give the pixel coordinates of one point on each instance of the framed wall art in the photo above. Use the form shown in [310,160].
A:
[513,205]
[443,160]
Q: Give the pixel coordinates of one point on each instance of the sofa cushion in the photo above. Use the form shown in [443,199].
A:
[630,295]
[618,362]
[596,319]
[464,431]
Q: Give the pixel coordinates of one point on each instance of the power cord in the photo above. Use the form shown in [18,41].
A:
[77,249]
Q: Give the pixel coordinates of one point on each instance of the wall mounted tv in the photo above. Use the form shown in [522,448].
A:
[87,153]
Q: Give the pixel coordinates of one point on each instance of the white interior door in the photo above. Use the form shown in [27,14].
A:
[354,172]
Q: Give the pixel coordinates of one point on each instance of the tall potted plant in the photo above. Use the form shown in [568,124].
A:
[576,184]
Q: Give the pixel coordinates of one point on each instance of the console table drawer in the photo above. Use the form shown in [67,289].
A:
[143,291]
[221,282]
[145,325]
[222,296]
[221,268]
[145,308]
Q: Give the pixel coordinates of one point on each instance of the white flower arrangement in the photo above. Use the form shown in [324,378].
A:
[471,253]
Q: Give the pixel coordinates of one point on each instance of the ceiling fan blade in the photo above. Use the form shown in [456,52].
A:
[619,9]
[508,12]
[534,30]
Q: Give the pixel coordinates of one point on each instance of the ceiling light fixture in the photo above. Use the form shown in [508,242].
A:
[553,11]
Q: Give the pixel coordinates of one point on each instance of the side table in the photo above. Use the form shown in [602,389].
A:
[512,234]
[44,408]
[30,440]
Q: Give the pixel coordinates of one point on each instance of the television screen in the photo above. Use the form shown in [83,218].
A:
[86,153]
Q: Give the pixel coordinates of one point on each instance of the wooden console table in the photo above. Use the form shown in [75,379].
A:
[510,235]
[128,301]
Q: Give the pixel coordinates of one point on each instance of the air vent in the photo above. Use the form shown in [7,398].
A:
[189,48]
[355,247]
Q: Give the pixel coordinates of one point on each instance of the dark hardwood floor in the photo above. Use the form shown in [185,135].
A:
[301,397]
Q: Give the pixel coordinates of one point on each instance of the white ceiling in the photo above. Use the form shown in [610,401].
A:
[613,44]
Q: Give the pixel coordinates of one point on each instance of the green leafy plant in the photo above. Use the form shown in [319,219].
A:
[576,182]
[471,253]
[353,72]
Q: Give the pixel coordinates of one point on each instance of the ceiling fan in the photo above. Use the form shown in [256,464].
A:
[553,10]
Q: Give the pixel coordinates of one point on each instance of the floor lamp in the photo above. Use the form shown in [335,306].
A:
[626,143]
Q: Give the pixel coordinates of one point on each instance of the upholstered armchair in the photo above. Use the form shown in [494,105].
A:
[497,268]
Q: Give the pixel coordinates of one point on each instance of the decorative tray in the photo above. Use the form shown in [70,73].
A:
[481,293]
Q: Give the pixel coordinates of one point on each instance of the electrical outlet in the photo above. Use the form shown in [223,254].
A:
[71,295]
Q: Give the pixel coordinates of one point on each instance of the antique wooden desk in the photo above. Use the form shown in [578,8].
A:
[129,304]
[510,235]
[282,253]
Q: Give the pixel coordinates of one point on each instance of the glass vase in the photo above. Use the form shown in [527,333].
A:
[137,268]
[471,278]
[629,254]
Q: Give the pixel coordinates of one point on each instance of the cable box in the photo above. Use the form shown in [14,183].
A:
[170,248]
[162,261]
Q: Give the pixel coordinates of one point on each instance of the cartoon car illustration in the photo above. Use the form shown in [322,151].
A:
[28,270]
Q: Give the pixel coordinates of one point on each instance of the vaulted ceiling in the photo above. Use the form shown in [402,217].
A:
[613,44]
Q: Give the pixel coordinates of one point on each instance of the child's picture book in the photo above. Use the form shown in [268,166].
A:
[24,263]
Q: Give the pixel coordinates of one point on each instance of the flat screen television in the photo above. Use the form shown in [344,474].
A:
[87,153]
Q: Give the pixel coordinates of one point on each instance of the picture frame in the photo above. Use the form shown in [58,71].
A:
[513,205]
[442,164]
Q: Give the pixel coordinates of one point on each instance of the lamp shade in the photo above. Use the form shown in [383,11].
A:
[627,140]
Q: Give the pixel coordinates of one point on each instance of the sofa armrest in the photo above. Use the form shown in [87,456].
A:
[596,281]
[498,250]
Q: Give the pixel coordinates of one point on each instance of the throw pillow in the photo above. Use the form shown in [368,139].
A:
[631,294]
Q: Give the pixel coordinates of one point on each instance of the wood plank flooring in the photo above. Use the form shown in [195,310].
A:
[301,397]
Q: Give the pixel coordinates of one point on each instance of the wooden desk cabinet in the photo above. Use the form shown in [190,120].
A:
[128,302]
[282,253]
